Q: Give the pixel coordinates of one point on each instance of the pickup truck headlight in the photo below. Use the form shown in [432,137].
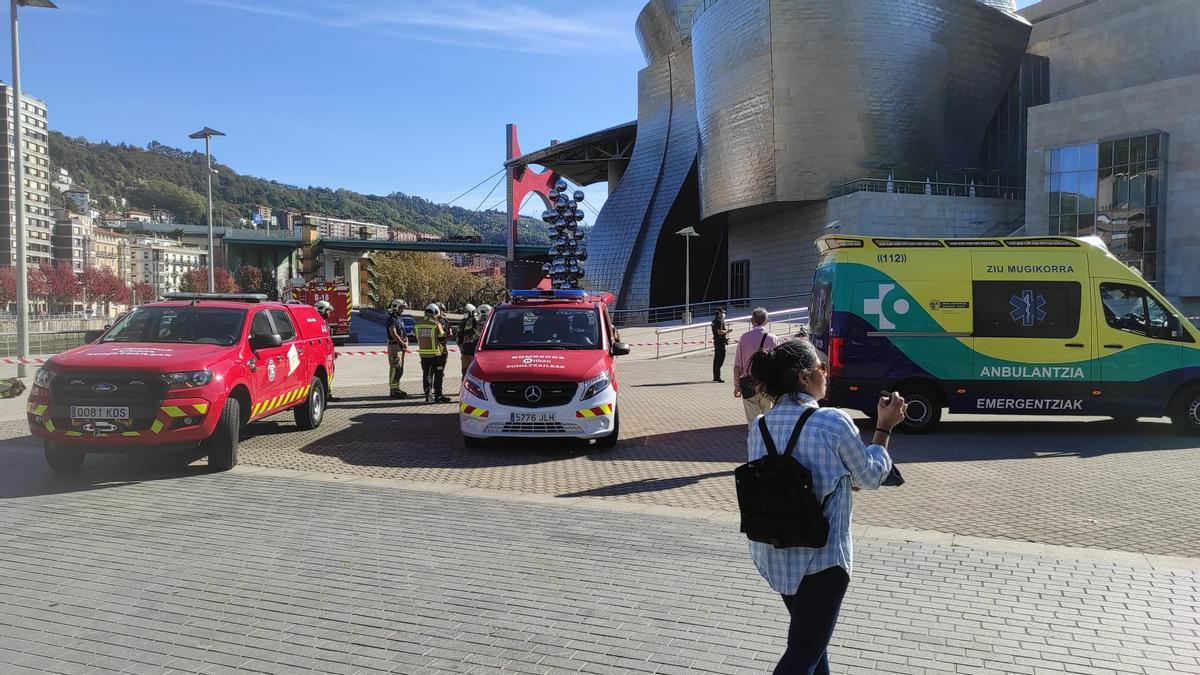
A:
[475,388]
[189,379]
[594,386]
[43,377]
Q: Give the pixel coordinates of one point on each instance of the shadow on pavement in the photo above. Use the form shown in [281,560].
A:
[646,485]
[24,473]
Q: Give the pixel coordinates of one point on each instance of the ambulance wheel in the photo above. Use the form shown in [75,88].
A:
[310,413]
[610,441]
[924,410]
[221,447]
[472,443]
[1185,411]
[63,459]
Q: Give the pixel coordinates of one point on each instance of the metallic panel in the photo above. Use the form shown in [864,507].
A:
[663,26]
[794,97]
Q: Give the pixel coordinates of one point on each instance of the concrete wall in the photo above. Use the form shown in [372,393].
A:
[1170,106]
[781,245]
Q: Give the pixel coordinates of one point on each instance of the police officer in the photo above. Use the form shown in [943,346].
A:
[431,346]
[720,336]
[397,347]
[468,335]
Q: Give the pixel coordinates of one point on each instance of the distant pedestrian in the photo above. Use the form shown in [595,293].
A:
[757,339]
[397,347]
[720,335]
[813,581]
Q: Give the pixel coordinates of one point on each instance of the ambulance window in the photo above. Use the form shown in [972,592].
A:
[283,324]
[1131,309]
[820,308]
[1026,309]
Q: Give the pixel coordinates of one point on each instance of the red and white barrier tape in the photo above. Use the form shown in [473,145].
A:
[24,361]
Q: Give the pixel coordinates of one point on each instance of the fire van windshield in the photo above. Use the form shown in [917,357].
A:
[544,328]
[180,325]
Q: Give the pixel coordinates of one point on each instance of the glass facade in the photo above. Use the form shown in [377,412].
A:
[1110,189]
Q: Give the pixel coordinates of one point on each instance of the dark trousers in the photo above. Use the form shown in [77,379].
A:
[718,359]
[433,368]
[814,609]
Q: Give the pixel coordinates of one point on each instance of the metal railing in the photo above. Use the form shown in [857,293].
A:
[781,322]
[917,187]
[46,343]
[624,318]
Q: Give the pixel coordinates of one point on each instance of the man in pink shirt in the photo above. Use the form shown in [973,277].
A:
[758,337]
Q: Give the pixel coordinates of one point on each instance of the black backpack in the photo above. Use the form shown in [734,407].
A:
[775,495]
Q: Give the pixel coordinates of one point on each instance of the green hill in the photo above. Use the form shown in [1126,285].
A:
[173,179]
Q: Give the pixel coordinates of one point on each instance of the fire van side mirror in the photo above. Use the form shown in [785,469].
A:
[620,349]
[265,341]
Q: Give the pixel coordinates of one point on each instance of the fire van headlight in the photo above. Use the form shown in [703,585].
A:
[475,388]
[43,377]
[189,379]
[595,386]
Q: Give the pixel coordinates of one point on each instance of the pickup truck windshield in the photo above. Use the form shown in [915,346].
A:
[544,328]
[183,325]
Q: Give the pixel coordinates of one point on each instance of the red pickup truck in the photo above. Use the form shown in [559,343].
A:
[192,370]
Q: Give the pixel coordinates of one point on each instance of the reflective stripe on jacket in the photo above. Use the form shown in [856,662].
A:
[431,338]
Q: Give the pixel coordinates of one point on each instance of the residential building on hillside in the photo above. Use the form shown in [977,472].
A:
[78,198]
[39,224]
[163,262]
[62,180]
[137,216]
[329,227]
[161,216]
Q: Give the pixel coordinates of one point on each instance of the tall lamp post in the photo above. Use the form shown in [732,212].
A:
[206,133]
[687,233]
[19,187]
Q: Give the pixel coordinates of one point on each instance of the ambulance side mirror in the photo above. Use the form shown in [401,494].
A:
[1174,328]
[620,349]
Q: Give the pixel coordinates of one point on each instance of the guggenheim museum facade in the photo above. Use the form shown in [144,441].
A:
[765,124]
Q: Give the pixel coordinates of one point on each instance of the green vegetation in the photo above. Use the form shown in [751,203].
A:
[173,179]
[422,278]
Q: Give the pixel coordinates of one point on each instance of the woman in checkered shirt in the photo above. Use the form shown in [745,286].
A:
[813,581]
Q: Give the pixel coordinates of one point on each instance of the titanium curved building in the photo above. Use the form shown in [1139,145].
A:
[767,123]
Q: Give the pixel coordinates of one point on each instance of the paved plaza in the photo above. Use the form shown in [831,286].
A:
[379,543]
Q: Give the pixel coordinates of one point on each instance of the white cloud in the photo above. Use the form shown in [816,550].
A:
[507,25]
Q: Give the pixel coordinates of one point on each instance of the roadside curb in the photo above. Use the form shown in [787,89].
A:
[1140,561]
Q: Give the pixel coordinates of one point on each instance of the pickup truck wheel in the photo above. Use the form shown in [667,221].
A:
[63,459]
[221,447]
[610,441]
[310,413]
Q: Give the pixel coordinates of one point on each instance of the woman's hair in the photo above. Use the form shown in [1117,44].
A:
[778,371]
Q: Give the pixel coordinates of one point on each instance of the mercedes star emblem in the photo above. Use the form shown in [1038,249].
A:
[533,394]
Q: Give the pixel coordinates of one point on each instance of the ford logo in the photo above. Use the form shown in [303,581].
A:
[104,387]
[533,394]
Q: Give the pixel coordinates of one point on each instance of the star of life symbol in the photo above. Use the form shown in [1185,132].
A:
[875,307]
[1028,308]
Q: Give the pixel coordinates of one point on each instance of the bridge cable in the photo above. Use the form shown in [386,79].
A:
[476,187]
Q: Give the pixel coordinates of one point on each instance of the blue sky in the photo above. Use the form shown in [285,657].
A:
[371,95]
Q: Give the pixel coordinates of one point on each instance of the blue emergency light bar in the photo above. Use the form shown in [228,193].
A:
[536,294]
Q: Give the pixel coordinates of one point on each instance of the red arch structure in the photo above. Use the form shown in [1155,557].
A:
[521,182]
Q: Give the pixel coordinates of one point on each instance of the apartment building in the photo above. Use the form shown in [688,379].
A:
[163,262]
[39,223]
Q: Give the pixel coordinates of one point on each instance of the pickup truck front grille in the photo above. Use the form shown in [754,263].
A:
[143,393]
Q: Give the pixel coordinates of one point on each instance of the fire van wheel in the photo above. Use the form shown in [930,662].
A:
[62,459]
[924,410]
[610,441]
[1185,411]
[221,447]
[310,413]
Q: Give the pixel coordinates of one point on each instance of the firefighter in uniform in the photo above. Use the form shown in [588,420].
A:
[431,346]
[325,309]
[468,335]
[397,347]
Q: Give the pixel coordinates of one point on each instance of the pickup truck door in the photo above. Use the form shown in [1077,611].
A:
[270,369]
[296,364]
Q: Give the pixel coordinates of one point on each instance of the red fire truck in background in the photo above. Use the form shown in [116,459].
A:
[336,294]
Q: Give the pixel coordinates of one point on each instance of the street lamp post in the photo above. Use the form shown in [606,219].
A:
[18,221]
[206,133]
[687,233]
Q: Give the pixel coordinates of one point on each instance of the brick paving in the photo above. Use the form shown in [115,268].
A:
[158,567]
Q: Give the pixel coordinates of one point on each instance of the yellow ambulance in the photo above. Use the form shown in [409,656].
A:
[1026,325]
